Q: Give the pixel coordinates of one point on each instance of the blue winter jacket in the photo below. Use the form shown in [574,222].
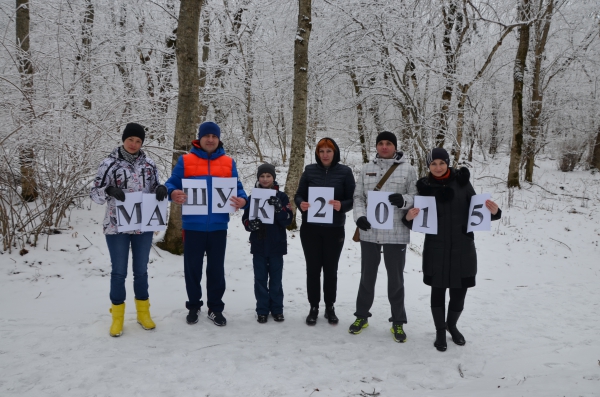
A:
[210,222]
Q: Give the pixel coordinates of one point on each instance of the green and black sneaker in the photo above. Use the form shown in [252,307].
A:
[398,332]
[357,326]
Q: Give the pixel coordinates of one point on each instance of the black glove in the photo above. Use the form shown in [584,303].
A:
[363,223]
[276,203]
[115,192]
[397,200]
[254,224]
[161,192]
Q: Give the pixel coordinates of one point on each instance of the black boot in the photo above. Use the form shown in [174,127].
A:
[330,315]
[439,316]
[451,327]
[311,319]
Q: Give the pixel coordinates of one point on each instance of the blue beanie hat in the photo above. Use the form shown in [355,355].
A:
[208,127]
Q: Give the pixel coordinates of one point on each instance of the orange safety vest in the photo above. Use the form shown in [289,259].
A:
[194,165]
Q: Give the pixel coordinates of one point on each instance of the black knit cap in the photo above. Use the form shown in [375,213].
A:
[438,153]
[266,169]
[387,136]
[133,129]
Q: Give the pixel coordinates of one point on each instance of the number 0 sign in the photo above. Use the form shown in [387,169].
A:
[480,218]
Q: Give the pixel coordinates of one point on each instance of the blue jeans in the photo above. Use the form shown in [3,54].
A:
[268,289]
[118,247]
[195,245]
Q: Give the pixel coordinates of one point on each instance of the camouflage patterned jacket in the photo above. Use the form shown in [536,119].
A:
[139,176]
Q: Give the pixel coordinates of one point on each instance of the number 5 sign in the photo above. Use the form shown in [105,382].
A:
[480,218]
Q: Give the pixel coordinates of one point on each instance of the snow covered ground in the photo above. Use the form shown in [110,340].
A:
[531,324]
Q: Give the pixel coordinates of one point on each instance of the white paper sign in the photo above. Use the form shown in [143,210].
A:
[223,189]
[426,221]
[480,218]
[259,208]
[380,212]
[197,197]
[129,212]
[320,211]
[154,213]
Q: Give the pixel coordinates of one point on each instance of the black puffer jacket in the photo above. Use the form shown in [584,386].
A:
[337,176]
[449,257]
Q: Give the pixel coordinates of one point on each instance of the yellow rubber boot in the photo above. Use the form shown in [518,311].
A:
[143,314]
[118,315]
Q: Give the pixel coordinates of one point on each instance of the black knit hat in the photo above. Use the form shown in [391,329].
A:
[266,169]
[438,153]
[387,136]
[133,129]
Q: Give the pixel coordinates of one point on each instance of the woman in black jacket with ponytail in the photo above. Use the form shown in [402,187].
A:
[449,257]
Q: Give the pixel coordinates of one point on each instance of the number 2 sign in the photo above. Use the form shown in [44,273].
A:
[320,211]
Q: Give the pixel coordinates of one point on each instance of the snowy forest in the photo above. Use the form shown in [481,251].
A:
[514,79]
[510,88]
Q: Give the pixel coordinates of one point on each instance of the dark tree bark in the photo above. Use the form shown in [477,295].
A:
[541,29]
[517,98]
[299,111]
[360,114]
[29,188]
[188,105]
[596,152]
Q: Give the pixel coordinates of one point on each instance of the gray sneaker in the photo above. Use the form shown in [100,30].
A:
[357,326]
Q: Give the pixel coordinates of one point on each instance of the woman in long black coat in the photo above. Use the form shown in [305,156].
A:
[322,242]
[449,257]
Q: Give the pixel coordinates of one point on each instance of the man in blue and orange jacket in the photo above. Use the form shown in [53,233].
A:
[205,233]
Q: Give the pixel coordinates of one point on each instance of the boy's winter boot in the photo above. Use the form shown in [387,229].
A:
[357,326]
[330,315]
[439,319]
[118,316]
[451,321]
[143,314]
[311,319]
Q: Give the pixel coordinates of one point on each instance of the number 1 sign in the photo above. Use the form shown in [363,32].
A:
[426,221]
[480,218]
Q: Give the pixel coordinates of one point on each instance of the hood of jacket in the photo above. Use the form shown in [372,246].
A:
[336,153]
[398,158]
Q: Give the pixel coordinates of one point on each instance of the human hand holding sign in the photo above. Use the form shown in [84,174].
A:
[178,196]
[237,202]
[412,214]
[492,206]
[337,205]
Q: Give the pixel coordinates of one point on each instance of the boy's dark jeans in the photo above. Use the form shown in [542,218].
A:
[268,289]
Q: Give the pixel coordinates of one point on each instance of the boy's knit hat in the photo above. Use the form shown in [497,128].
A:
[266,168]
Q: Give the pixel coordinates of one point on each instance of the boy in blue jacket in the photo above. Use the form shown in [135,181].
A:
[268,245]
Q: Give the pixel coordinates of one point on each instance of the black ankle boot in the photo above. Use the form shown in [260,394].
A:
[311,319]
[457,337]
[330,315]
[439,315]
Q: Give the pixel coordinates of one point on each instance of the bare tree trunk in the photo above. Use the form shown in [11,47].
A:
[460,124]
[517,99]
[596,152]
[121,62]
[86,50]
[541,29]
[29,188]
[188,105]
[494,133]
[300,102]
[360,118]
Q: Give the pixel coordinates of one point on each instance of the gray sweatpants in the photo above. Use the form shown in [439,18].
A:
[394,256]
